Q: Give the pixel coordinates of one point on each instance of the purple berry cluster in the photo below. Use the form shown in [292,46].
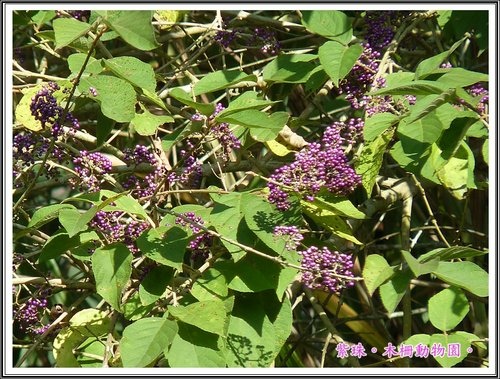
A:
[201,244]
[266,39]
[318,165]
[90,168]
[115,228]
[79,15]
[143,187]
[292,235]
[477,90]
[327,270]
[382,25]
[44,108]
[191,172]
[225,37]
[224,135]
[29,314]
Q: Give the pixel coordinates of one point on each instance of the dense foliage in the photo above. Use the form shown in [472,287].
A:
[250,189]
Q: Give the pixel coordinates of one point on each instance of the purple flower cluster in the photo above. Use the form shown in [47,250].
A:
[90,168]
[200,245]
[29,314]
[317,165]
[224,135]
[327,270]
[113,226]
[45,109]
[292,235]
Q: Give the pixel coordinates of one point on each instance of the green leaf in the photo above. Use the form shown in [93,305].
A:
[417,87]
[91,353]
[207,315]
[133,309]
[450,253]
[457,174]
[444,340]
[112,267]
[247,100]
[115,96]
[90,322]
[448,308]
[263,127]
[124,203]
[290,68]
[459,77]
[144,340]
[154,284]
[164,245]
[47,214]
[211,285]
[133,70]
[466,275]
[393,291]
[67,30]
[485,152]
[376,272]
[135,27]
[62,348]
[218,80]
[378,124]
[339,205]
[333,25]
[58,244]
[417,267]
[193,347]
[371,158]
[452,138]
[146,123]
[424,131]
[76,61]
[42,17]
[428,104]
[337,59]
[180,95]
[430,65]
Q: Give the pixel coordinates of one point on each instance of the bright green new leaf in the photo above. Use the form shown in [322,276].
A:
[66,340]
[417,267]
[144,340]
[146,123]
[67,30]
[461,342]
[207,315]
[180,95]
[448,308]
[221,79]
[112,267]
[247,100]
[337,59]
[91,322]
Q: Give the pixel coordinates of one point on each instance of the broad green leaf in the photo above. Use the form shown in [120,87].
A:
[378,124]
[124,203]
[466,275]
[247,100]
[193,347]
[42,17]
[146,123]
[67,30]
[331,24]
[180,95]
[115,96]
[457,174]
[425,130]
[452,138]
[393,291]
[337,59]
[339,205]
[91,353]
[448,308]
[154,284]
[430,65]
[417,267]
[112,267]
[135,27]
[218,80]
[461,342]
[64,343]
[261,217]
[76,61]
[485,152]
[164,245]
[277,148]
[376,272]
[263,127]
[91,322]
[443,17]
[144,340]
[135,71]
[47,214]
[133,309]
[207,315]
[290,68]
[57,244]
[447,113]
[450,253]
[211,285]
[417,87]
[171,139]
[459,77]
[370,160]
[477,130]
[428,104]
